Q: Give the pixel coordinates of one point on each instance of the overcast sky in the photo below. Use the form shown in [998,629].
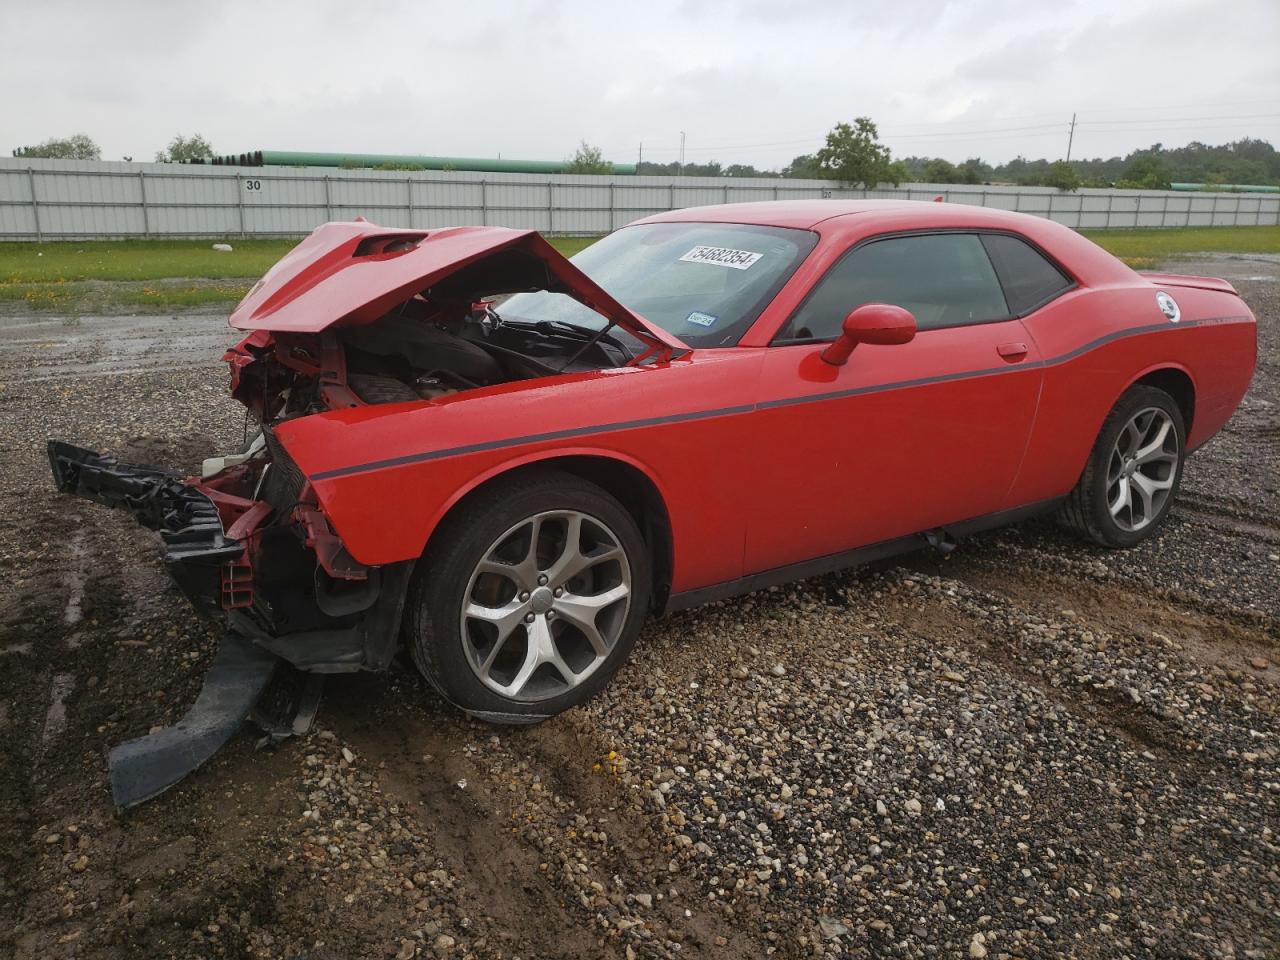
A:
[751,82]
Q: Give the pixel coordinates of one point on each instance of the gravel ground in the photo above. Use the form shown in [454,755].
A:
[1029,748]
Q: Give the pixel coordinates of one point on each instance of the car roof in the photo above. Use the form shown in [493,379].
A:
[806,214]
[844,220]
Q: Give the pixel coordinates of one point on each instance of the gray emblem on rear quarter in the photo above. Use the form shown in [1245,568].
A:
[1168,306]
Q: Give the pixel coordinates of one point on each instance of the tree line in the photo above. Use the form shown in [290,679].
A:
[853,155]
[81,146]
[1246,161]
[850,152]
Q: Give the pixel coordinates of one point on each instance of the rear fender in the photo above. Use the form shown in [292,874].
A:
[1157,368]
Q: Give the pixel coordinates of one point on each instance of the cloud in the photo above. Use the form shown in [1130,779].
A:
[752,81]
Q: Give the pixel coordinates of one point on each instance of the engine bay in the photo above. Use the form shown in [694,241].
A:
[419,351]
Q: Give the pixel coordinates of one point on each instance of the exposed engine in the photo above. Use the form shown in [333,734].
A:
[417,352]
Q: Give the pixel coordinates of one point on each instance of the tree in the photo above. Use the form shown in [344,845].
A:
[78,146]
[588,159]
[711,168]
[185,149]
[973,170]
[803,167]
[1063,176]
[854,155]
[938,170]
[1145,172]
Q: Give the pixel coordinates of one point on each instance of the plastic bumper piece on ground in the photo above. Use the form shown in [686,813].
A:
[147,766]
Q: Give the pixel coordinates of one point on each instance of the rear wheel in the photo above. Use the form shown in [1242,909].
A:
[529,598]
[1133,473]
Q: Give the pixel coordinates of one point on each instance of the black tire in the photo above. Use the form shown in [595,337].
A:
[373,388]
[1085,510]
[433,608]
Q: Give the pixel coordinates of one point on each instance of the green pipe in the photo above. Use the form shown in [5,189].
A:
[287,158]
[1225,187]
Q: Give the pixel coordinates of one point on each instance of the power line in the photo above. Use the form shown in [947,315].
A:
[1247,116]
[1148,124]
[982,135]
[1182,106]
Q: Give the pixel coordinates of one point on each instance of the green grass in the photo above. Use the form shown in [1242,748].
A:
[572,245]
[41,296]
[193,295]
[1142,248]
[136,260]
[154,259]
[154,296]
[59,276]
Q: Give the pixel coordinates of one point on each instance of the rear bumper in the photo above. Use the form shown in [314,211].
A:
[197,550]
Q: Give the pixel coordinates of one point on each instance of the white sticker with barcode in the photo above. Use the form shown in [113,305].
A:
[722,257]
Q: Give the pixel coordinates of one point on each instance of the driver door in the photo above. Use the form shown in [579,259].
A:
[902,438]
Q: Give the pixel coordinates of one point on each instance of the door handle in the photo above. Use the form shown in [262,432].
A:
[1013,352]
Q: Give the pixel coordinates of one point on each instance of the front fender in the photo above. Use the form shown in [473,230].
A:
[388,515]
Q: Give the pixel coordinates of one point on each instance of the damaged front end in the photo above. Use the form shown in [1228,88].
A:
[249,542]
[246,543]
[356,315]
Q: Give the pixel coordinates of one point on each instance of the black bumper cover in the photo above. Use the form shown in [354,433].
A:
[195,546]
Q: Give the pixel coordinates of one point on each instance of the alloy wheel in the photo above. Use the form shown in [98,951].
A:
[1142,469]
[545,605]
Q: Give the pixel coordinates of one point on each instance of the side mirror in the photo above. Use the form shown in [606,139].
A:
[879,323]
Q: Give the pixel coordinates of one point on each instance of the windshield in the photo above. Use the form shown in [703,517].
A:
[706,283]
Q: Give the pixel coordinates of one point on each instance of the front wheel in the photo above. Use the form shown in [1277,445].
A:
[530,597]
[1133,473]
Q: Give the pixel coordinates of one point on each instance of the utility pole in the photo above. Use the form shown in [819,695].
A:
[682,153]
[1071,136]
[640,157]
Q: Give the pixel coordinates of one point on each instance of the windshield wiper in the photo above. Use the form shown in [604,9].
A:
[586,334]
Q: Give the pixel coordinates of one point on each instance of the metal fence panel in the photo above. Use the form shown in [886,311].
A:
[73,199]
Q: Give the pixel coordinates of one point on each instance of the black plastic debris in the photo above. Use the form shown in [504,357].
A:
[145,767]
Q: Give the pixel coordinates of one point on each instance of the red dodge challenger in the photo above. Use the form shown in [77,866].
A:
[505,461]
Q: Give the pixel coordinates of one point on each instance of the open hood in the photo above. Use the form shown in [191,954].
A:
[352,273]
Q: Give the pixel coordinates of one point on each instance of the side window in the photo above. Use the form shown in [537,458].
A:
[1027,277]
[945,280]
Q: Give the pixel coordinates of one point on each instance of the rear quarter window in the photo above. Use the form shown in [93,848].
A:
[1029,278]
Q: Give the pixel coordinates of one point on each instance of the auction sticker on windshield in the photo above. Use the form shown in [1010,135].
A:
[722,257]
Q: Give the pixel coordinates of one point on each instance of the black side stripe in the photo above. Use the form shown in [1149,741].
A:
[750,408]
[530,438]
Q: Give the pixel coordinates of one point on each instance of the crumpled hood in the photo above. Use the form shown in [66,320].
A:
[355,272]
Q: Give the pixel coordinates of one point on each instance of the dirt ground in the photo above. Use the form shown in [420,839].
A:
[1028,748]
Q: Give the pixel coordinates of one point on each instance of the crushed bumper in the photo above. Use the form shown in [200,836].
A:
[196,549]
[245,678]
[295,604]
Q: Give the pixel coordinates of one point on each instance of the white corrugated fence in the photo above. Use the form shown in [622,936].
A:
[83,199]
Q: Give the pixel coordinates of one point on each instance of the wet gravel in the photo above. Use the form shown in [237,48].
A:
[1028,748]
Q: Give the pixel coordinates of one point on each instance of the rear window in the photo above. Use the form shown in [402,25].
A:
[1028,278]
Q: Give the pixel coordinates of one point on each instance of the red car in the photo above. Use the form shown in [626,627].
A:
[703,403]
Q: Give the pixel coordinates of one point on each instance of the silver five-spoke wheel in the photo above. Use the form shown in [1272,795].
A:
[545,605]
[1142,469]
